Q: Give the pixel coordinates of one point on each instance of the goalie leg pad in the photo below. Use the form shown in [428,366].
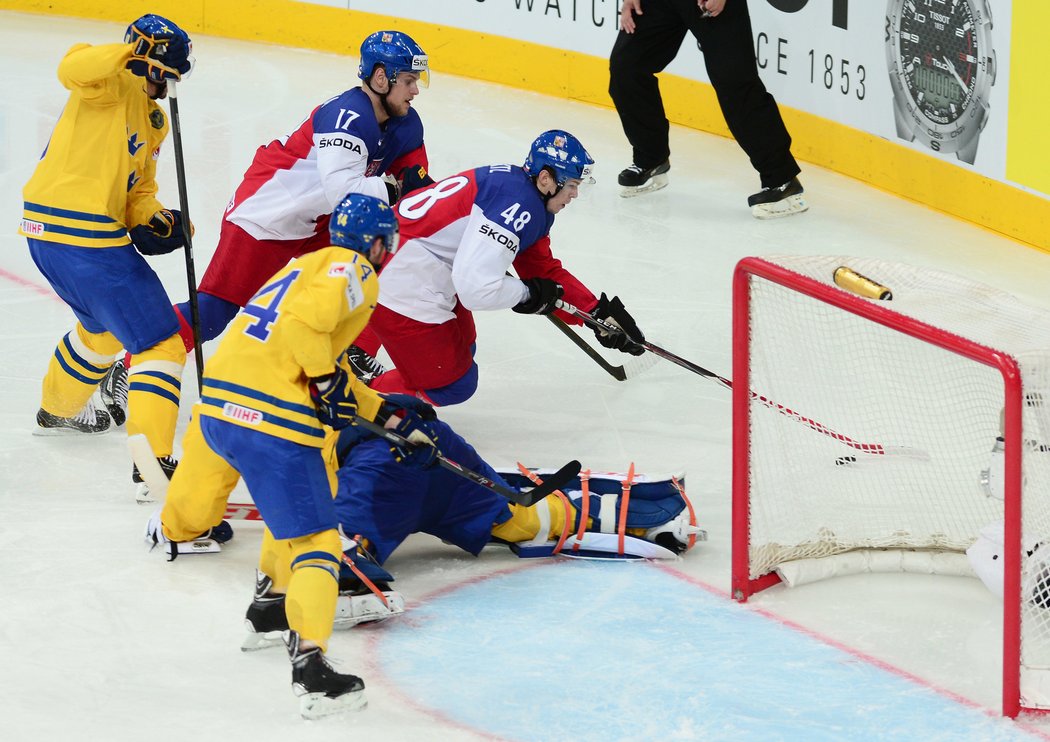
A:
[352,609]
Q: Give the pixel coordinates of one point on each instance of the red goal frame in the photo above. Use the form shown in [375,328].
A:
[743,586]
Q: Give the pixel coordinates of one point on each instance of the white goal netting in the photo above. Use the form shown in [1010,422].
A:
[904,427]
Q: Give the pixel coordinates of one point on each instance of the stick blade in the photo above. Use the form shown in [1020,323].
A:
[552,482]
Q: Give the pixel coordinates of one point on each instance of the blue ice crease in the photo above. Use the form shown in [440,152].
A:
[612,651]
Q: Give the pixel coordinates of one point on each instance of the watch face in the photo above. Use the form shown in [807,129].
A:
[942,66]
[938,56]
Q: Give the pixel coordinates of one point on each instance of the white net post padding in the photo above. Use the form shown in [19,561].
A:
[896,405]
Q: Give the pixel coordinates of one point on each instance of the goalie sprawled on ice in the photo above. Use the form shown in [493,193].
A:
[380,503]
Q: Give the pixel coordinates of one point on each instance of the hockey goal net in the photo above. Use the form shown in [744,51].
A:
[863,429]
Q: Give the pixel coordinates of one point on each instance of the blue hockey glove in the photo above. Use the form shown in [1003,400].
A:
[613,312]
[162,235]
[417,426]
[543,296]
[160,49]
[334,398]
[422,436]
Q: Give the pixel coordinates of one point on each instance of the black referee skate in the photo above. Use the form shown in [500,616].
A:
[365,367]
[322,690]
[784,200]
[114,391]
[89,421]
[636,180]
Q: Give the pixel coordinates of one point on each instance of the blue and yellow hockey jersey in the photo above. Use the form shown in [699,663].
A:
[294,329]
[96,178]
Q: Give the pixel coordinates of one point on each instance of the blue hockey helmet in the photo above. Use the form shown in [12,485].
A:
[359,219]
[563,154]
[395,52]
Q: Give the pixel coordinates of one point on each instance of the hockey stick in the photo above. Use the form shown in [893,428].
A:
[554,481]
[187,229]
[617,372]
[876,449]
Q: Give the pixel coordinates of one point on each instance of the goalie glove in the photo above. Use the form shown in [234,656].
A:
[162,235]
[334,398]
[613,312]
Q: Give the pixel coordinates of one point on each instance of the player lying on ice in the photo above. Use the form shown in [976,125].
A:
[380,502]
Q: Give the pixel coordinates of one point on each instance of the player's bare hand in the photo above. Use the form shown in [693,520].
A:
[627,12]
[711,8]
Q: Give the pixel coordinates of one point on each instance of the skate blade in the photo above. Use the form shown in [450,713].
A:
[318,705]
[791,205]
[262,640]
[655,183]
[64,432]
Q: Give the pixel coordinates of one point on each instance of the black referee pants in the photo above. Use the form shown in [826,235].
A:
[728,47]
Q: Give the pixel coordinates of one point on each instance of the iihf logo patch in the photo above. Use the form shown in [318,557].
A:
[31,228]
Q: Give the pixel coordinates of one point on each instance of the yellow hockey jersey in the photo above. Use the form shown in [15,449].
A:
[96,178]
[293,330]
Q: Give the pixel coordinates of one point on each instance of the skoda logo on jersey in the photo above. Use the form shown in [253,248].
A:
[508,242]
[343,142]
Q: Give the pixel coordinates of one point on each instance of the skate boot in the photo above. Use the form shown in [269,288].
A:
[322,690]
[365,367]
[771,203]
[114,391]
[142,494]
[265,619]
[635,180]
[89,421]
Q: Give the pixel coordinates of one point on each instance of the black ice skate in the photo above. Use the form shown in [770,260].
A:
[771,203]
[635,180]
[142,494]
[114,391]
[321,689]
[365,367]
[89,421]
[265,619]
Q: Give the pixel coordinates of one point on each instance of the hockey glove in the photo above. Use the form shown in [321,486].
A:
[417,426]
[160,49]
[413,178]
[162,235]
[543,296]
[612,311]
[421,451]
[334,398]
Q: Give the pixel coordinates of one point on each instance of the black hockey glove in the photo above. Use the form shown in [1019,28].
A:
[334,398]
[162,235]
[612,311]
[417,426]
[413,178]
[543,296]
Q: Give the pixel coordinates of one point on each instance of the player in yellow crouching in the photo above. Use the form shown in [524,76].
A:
[272,385]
